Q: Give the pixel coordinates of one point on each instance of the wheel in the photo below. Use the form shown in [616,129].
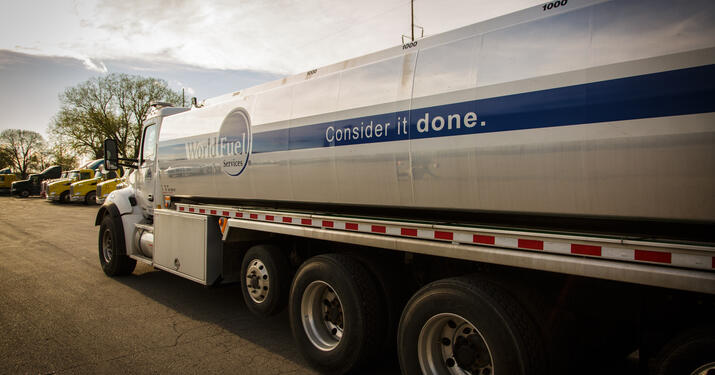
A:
[90,198]
[65,197]
[265,280]
[334,313]
[25,193]
[467,326]
[691,353]
[112,253]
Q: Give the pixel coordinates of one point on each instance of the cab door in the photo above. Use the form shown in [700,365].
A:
[146,171]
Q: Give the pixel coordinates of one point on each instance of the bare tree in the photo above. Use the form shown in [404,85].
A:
[23,145]
[5,157]
[112,106]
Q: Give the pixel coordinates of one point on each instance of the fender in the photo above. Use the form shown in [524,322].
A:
[122,206]
[122,201]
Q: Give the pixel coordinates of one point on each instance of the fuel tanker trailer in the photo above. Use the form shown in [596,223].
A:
[517,196]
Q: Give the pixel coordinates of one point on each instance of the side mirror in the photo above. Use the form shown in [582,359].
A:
[111,158]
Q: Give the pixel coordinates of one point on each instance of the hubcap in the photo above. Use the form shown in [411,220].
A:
[322,315]
[107,250]
[257,281]
[449,344]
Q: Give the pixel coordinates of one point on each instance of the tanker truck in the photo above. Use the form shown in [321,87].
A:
[519,196]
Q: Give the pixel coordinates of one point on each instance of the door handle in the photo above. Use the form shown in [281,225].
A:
[150,198]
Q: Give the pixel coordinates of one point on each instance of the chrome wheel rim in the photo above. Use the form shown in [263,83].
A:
[322,315]
[704,369]
[257,281]
[107,251]
[451,345]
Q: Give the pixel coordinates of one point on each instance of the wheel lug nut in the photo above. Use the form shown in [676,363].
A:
[450,362]
[467,331]
[446,341]
[452,324]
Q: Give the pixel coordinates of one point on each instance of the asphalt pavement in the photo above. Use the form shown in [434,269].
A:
[60,314]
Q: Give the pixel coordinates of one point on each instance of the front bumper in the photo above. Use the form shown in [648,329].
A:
[53,197]
[77,198]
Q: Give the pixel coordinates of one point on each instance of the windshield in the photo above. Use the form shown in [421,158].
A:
[73,175]
[95,164]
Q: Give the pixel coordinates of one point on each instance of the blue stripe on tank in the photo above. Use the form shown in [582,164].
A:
[671,93]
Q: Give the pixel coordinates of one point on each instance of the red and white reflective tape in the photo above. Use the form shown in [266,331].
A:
[686,256]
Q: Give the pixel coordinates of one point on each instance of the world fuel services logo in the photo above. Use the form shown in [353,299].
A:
[235,140]
[232,145]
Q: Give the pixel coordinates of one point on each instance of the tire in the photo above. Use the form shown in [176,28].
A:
[90,198]
[345,335]
[65,197]
[690,353]
[267,268]
[25,193]
[393,295]
[112,253]
[467,324]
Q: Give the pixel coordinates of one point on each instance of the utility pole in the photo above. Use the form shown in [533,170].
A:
[412,14]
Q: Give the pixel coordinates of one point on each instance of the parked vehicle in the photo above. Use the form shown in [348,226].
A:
[524,195]
[6,180]
[43,188]
[104,188]
[60,190]
[32,186]
[86,190]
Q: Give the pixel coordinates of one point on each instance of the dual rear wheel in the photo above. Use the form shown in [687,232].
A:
[340,319]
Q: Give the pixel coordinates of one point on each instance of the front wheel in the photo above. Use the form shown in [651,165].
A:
[112,254]
[467,326]
[335,314]
[25,193]
[265,280]
[65,197]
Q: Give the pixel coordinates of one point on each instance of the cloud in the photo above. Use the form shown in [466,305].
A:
[282,36]
[96,66]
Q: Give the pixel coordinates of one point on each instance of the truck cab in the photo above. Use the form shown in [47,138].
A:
[104,188]
[60,189]
[43,189]
[6,180]
[33,184]
[86,190]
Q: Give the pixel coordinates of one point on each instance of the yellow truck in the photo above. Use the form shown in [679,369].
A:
[60,190]
[86,190]
[6,180]
[108,186]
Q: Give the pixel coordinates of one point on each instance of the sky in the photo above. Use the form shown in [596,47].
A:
[206,48]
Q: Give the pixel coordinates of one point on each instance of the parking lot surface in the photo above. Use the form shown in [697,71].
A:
[59,313]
